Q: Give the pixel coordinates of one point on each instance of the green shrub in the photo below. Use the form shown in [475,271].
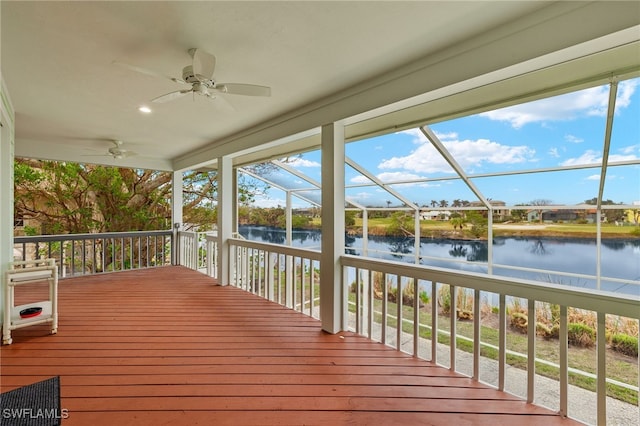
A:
[424,297]
[519,322]
[635,231]
[581,335]
[625,344]
[543,330]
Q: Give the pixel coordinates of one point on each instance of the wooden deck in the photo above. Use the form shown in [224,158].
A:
[168,347]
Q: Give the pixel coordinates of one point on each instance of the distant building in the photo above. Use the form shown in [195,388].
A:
[435,215]
[500,212]
[551,214]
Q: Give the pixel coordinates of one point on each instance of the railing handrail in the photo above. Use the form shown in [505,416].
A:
[286,250]
[87,236]
[594,300]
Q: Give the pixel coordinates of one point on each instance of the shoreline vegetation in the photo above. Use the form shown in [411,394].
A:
[444,230]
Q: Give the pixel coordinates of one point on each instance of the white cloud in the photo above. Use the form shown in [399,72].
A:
[626,89]
[301,162]
[630,150]
[267,202]
[593,177]
[589,157]
[360,179]
[554,152]
[398,176]
[468,153]
[588,102]
[594,157]
[360,197]
[573,139]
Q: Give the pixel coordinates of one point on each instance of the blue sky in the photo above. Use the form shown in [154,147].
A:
[565,130]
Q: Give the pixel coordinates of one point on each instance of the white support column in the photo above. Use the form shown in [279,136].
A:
[332,298]
[6,186]
[176,213]
[234,205]
[225,217]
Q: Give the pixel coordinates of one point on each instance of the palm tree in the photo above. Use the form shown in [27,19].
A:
[457,222]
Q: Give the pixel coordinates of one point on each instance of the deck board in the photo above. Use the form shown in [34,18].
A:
[168,346]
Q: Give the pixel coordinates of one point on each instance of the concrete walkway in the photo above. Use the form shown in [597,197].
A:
[582,403]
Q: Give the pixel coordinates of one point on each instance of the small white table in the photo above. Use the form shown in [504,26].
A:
[27,272]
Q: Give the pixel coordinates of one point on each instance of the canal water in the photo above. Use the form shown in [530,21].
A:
[550,258]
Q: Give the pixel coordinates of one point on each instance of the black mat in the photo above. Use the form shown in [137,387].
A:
[37,404]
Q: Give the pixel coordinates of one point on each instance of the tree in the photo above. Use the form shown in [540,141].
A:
[402,222]
[479,223]
[540,202]
[76,198]
[457,221]
[610,215]
[85,198]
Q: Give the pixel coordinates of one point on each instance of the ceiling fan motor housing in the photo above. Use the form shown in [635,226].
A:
[190,77]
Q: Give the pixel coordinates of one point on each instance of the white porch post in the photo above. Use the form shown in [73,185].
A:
[6,187]
[332,299]
[176,214]
[225,217]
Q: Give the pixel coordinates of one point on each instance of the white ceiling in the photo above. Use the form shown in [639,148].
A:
[323,61]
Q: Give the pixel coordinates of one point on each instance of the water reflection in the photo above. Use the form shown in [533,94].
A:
[620,258]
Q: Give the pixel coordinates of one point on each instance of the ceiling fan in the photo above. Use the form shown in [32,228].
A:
[199,75]
[116,151]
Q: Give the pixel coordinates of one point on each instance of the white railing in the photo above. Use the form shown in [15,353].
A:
[291,277]
[188,249]
[288,276]
[198,251]
[375,282]
[211,254]
[85,254]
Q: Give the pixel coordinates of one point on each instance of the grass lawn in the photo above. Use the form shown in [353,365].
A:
[619,367]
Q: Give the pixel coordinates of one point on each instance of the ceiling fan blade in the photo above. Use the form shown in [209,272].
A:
[146,71]
[244,89]
[220,102]
[203,63]
[171,96]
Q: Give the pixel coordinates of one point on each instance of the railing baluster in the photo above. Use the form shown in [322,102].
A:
[385,298]
[476,334]
[453,292]
[434,322]
[564,361]
[303,293]
[84,253]
[531,350]
[310,283]
[295,284]
[601,386]
[416,316]
[398,312]
[93,255]
[502,341]
[371,305]
[358,302]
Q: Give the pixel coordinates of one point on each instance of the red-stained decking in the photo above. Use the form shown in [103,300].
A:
[168,347]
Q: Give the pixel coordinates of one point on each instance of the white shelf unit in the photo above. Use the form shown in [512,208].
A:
[27,272]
